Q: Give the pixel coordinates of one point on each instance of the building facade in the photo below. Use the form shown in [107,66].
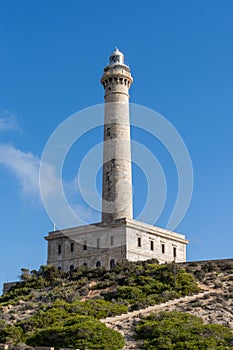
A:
[117,237]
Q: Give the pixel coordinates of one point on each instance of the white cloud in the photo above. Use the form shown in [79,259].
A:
[24,165]
[8,121]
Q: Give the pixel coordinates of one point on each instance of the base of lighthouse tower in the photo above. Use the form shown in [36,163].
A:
[118,237]
[106,244]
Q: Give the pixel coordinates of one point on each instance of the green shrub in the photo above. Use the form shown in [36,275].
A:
[185,283]
[61,310]
[181,331]
[42,319]
[97,308]
[10,333]
[149,284]
[131,294]
[78,332]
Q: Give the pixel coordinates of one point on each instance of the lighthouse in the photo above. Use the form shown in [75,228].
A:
[117,169]
[117,237]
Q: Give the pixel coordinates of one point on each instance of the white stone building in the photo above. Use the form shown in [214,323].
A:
[118,236]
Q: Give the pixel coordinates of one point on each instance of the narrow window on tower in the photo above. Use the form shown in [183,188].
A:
[85,245]
[112,240]
[108,132]
[174,252]
[163,248]
[108,176]
[151,245]
[72,247]
[59,249]
[98,243]
[139,242]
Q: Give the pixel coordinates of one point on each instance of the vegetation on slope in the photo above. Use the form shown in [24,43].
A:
[143,283]
[52,308]
[181,331]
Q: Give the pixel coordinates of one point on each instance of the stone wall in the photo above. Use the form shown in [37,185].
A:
[7,286]
[146,242]
[104,245]
[93,245]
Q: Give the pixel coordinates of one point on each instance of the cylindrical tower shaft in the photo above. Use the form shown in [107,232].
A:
[117,169]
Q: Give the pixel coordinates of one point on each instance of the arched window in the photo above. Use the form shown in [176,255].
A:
[107,176]
[71,267]
[112,263]
[108,132]
[85,264]
[98,264]
[59,268]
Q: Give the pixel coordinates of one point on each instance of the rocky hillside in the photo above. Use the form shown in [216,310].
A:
[213,304]
[84,308]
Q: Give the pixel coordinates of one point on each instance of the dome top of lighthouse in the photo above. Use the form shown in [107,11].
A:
[116,57]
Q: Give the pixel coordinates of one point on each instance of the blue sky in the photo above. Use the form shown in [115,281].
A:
[52,54]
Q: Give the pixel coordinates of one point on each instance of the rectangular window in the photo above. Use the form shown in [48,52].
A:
[98,243]
[59,249]
[139,242]
[151,245]
[112,240]
[72,247]
[174,252]
[85,245]
[163,248]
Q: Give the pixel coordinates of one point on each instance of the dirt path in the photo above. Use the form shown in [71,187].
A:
[124,323]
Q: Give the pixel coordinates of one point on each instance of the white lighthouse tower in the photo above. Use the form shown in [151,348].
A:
[117,173]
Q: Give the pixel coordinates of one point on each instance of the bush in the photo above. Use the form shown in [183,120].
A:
[131,294]
[149,284]
[181,331]
[10,333]
[78,332]
[61,310]
[97,308]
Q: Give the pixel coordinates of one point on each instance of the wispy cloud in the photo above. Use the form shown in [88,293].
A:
[24,165]
[8,121]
